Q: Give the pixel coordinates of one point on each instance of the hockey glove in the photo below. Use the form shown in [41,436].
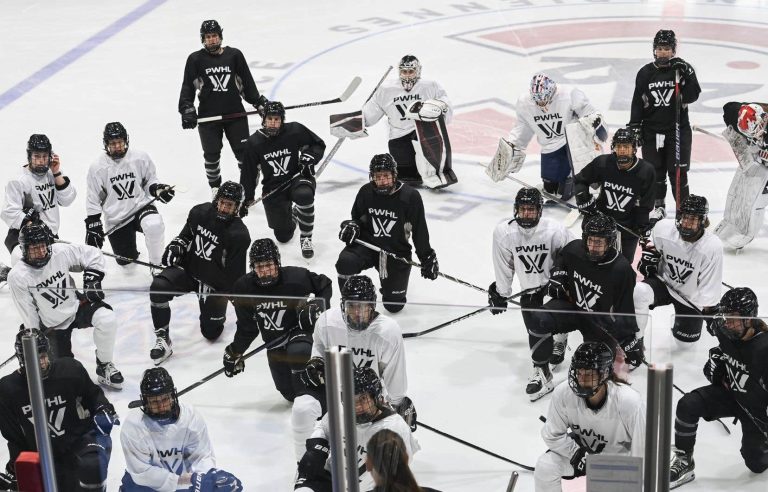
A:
[714,369]
[314,373]
[579,462]
[8,480]
[312,464]
[556,284]
[94,231]
[188,118]
[260,104]
[92,285]
[634,351]
[162,192]
[406,410]
[307,315]
[637,131]
[712,315]
[308,162]
[586,203]
[350,230]
[233,362]
[429,267]
[30,216]
[104,419]
[496,300]
[649,262]
[215,481]
[686,71]
[175,252]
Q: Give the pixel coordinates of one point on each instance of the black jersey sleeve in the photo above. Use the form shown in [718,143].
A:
[586,177]
[690,88]
[322,286]
[641,82]
[236,253]
[646,197]
[187,229]
[312,144]
[249,91]
[247,329]
[419,230]
[92,395]
[249,173]
[625,326]
[11,429]
[187,94]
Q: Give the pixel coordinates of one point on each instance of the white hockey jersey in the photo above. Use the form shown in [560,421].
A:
[380,347]
[392,100]
[548,124]
[529,252]
[618,427]
[156,455]
[119,188]
[54,305]
[393,422]
[40,192]
[695,269]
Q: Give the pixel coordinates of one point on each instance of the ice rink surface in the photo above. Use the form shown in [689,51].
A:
[70,67]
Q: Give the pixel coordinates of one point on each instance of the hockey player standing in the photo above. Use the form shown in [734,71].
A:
[221,78]
[121,185]
[386,213]
[206,257]
[418,111]
[528,245]
[44,295]
[166,444]
[80,419]
[682,266]
[281,150]
[595,412]
[372,414]
[737,370]
[626,189]
[653,117]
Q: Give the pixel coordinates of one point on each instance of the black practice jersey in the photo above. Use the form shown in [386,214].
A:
[388,221]
[221,79]
[269,314]
[277,157]
[653,102]
[217,249]
[627,196]
[72,400]
[605,287]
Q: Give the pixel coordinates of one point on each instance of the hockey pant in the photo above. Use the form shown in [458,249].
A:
[84,467]
[287,362]
[98,315]
[213,308]
[745,206]
[659,150]
[652,292]
[147,221]
[712,402]
[321,484]
[355,258]
[280,214]
[550,469]
[424,155]
[211,134]
[556,173]
[530,301]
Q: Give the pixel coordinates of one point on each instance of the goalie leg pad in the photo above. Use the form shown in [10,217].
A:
[580,144]
[433,154]
[744,206]
[508,159]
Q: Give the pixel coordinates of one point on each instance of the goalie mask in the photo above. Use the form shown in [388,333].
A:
[664,47]
[265,262]
[115,140]
[692,218]
[591,367]
[528,207]
[274,118]
[35,241]
[159,400]
[358,302]
[369,397]
[383,174]
[752,123]
[211,27]
[624,147]
[228,200]
[43,348]
[409,70]
[543,90]
[735,309]
[39,154]
[599,237]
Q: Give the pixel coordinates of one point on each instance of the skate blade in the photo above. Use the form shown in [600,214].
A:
[105,382]
[682,481]
[159,361]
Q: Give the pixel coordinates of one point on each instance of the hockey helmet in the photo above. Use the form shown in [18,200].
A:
[752,122]
[409,70]
[39,143]
[273,108]
[543,90]
[115,131]
[624,136]
[528,197]
[664,38]
[159,400]
[233,192]
[35,240]
[263,251]
[591,367]
[383,163]
[358,302]
[211,27]
[43,349]
[599,226]
[692,218]
[735,309]
[367,383]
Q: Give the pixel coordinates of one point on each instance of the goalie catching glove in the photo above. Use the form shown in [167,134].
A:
[429,110]
[508,159]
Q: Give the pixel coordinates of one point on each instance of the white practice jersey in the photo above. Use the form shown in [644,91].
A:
[380,347]
[529,252]
[695,269]
[393,422]
[156,455]
[392,100]
[53,307]
[119,188]
[618,427]
[548,124]
[32,190]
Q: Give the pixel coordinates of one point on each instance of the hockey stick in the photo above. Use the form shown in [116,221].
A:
[699,129]
[132,215]
[678,103]
[267,345]
[7,361]
[122,258]
[343,97]
[473,446]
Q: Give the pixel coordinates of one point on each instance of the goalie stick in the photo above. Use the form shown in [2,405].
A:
[343,97]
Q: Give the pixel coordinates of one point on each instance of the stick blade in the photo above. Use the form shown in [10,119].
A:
[351,88]
[134,404]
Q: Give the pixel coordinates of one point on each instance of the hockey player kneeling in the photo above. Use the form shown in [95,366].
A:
[166,444]
[596,412]
[80,419]
[372,414]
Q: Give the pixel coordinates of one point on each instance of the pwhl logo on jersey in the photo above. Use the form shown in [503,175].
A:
[57,407]
[617,197]
[550,125]
[278,161]
[219,77]
[590,439]
[363,357]
[205,243]
[47,199]
[678,268]
[587,292]
[382,221]
[124,190]
[54,291]
[174,466]
[271,320]
[533,257]
[737,374]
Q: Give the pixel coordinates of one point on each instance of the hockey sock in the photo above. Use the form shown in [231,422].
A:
[305,412]
[305,216]
[154,236]
[161,315]
[213,173]
[687,421]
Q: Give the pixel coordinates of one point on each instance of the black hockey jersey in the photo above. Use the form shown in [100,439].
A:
[388,221]
[627,196]
[221,79]
[217,249]
[605,287]
[72,400]
[277,157]
[274,315]
[653,102]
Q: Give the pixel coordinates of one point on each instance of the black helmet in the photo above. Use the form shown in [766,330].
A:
[599,225]
[211,26]
[358,288]
[114,131]
[43,347]
[743,302]
[157,382]
[368,382]
[664,37]
[595,356]
[35,233]
[273,108]
[409,62]
[696,206]
[39,143]
[624,136]
[380,163]
[528,196]
[232,191]
[264,250]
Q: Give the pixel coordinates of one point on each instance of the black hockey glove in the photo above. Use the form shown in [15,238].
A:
[579,462]
[312,464]
[637,131]
[174,252]
[308,162]
[649,262]
[314,373]
[406,410]
[634,351]
[586,203]
[188,118]
[244,208]
[429,267]
[350,230]
[556,285]
[307,315]
[94,231]
[686,71]
[162,192]
[104,419]
[260,104]
[92,285]
[233,362]
[215,480]
[496,300]
[714,369]
[8,480]
[30,216]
